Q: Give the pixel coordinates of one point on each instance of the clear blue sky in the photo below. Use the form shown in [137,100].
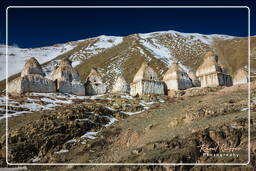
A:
[42,27]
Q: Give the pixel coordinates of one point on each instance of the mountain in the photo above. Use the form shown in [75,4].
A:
[17,56]
[160,49]
[115,55]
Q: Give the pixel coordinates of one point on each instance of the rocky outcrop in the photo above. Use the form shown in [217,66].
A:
[31,83]
[211,74]
[68,79]
[121,86]
[240,77]
[94,84]
[32,67]
[176,78]
[146,82]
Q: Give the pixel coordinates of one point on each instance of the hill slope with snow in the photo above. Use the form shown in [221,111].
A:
[18,56]
[115,55]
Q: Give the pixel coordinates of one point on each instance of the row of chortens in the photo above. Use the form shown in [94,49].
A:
[66,79]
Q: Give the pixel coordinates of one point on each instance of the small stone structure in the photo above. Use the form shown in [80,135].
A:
[94,84]
[194,79]
[68,79]
[146,82]
[176,78]
[32,66]
[121,86]
[31,83]
[240,77]
[31,80]
[211,74]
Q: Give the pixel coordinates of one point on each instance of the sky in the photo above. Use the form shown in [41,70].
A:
[36,27]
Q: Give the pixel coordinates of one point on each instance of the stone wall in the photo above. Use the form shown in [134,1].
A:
[71,87]
[31,83]
[208,70]
[228,80]
[32,67]
[14,87]
[241,77]
[241,81]
[215,79]
[210,80]
[121,86]
[95,89]
[178,81]
[147,87]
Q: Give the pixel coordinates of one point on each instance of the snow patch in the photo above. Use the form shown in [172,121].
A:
[105,42]
[111,120]
[244,109]
[72,141]
[132,113]
[55,101]
[61,151]
[126,97]
[90,135]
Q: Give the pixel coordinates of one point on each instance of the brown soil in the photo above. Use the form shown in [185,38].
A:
[170,132]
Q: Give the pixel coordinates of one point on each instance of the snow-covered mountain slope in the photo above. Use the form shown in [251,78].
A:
[18,56]
[95,46]
[167,45]
[124,55]
[115,55]
[161,49]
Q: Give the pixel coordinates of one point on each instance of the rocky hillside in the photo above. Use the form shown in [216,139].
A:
[115,55]
[160,49]
[124,129]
